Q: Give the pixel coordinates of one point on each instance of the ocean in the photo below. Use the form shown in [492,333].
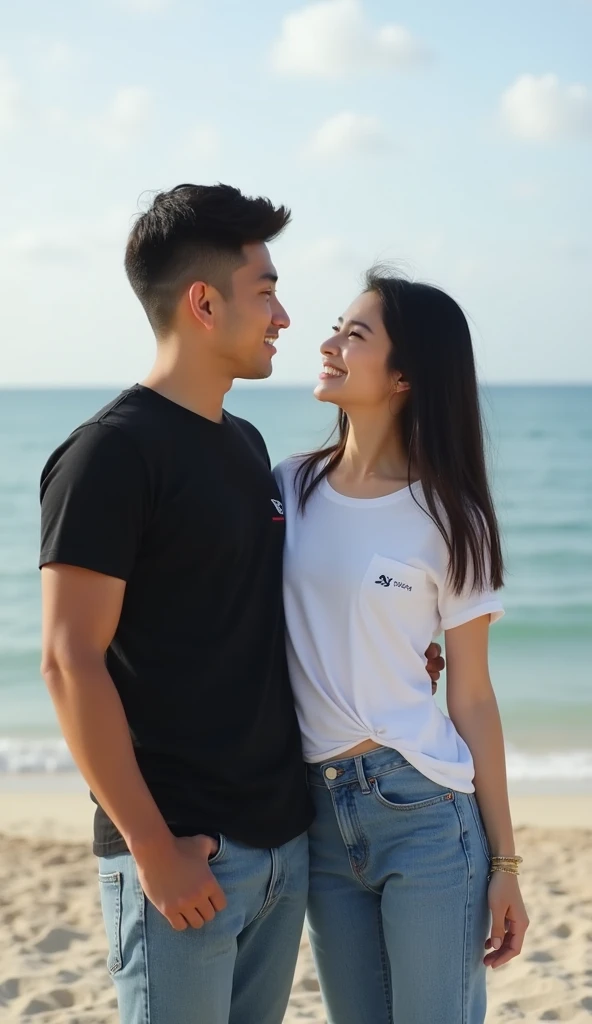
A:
[540,450]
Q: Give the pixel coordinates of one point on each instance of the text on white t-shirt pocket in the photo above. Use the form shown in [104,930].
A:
[392,588]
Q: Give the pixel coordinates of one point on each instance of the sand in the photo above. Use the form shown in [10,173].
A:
[52,947]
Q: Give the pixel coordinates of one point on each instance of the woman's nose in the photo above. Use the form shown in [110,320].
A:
[330,347]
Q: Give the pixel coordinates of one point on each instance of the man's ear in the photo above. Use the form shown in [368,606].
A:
[199,296]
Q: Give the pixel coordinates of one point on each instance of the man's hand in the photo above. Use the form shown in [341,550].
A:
[435,665]
[177,879]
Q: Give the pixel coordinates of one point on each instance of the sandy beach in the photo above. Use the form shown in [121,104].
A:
[52,947]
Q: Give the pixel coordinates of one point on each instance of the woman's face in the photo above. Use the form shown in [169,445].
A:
[355,358]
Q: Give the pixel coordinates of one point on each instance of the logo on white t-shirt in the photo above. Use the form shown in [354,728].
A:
[388,581]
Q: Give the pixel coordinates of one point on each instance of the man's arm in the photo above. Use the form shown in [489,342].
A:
[81,610]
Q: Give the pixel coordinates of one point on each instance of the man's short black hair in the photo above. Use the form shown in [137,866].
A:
[194,233]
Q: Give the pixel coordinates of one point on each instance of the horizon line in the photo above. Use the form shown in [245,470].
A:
[281,385]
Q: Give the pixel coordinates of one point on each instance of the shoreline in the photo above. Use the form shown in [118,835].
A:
[31,807]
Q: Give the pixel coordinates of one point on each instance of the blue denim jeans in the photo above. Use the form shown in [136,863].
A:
[237,969]
[398,911]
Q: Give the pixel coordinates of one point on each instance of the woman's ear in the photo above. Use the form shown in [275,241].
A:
[400,384]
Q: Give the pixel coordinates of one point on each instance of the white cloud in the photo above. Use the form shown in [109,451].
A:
[69,242]
[541,108]
[10,99]
[527,190]
[322,255]
[333,38]
[203,142]
[145,6]
[124,119]
[346,134]
[60,56]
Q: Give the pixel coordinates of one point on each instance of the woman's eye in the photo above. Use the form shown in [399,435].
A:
[335,329]
[354,334]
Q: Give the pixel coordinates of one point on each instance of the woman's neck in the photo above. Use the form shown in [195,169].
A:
[374,450]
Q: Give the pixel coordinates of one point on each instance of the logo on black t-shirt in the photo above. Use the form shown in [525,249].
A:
[279,509]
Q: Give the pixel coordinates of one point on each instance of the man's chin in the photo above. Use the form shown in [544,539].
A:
[254,375]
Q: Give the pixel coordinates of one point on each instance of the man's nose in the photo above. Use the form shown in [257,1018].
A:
[280,317]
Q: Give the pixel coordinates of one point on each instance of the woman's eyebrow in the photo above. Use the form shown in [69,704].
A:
[356,323]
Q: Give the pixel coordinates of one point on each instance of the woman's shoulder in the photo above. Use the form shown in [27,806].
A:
[287,468]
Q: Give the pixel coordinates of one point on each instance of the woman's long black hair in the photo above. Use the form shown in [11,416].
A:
[441,423]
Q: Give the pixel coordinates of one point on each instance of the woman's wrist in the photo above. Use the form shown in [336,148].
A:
[506,865]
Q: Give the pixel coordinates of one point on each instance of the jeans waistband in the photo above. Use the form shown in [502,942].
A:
[362,768]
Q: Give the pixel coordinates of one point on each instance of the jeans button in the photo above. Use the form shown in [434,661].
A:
[331,773]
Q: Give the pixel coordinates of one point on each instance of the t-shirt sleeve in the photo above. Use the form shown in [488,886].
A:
[457,609]
[94,502]
[279,474]
[285,477]
[256,439]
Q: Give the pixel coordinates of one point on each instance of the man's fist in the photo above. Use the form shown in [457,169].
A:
[177,879]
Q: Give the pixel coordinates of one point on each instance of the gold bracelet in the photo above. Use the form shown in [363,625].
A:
[506,860]
[504,871]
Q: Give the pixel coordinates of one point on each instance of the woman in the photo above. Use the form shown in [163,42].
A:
[392,536]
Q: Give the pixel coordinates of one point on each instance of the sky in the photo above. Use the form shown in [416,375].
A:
[453,139]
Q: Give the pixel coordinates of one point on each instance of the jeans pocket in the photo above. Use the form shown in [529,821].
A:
[479,825]
[220,851]
[406,789]
[110,887]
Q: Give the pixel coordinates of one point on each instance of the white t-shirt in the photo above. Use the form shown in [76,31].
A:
[366,589]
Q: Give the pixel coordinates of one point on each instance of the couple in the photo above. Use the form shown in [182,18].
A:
[164,532]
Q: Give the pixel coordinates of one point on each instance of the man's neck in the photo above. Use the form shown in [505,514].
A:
[201,389]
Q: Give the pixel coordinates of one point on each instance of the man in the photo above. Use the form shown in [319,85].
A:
[163,634]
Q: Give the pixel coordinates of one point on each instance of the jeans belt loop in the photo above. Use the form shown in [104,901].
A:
[359,763]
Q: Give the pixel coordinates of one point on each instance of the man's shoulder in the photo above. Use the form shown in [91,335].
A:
[251,433]
[111,433]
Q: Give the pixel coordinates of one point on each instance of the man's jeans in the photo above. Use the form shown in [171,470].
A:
[237,969]
[398,911]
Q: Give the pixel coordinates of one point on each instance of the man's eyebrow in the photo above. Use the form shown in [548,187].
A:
[356,323]
[269,276]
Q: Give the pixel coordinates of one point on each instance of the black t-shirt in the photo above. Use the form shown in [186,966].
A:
[187,512]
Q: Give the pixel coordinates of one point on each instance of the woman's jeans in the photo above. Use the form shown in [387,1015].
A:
[238,968]
[398,911]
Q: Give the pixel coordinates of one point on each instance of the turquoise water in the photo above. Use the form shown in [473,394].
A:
[541,457]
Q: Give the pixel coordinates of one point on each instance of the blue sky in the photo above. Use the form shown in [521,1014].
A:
[452,138]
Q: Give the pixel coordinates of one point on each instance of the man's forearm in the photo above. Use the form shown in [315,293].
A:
[94,725]
[479,725]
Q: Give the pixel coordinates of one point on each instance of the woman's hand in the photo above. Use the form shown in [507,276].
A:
[509,919]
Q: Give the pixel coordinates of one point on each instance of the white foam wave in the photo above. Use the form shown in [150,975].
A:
[51,756]
[41,757]
[559,765]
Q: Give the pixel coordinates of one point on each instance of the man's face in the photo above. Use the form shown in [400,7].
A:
[249,321]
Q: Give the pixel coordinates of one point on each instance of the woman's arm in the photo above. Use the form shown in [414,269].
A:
[472,706]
